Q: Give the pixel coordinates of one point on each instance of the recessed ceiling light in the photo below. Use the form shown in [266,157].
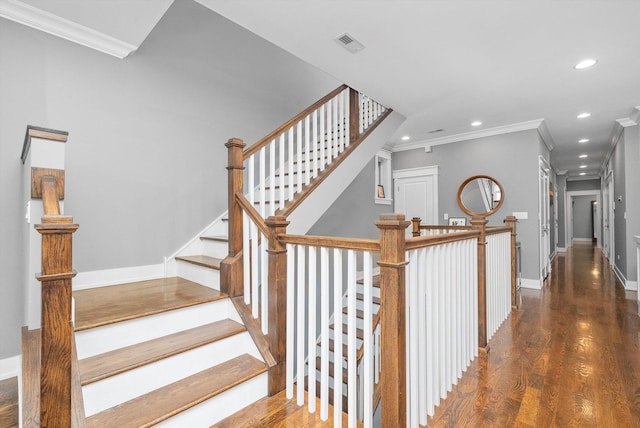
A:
[583,166]
[585,63]
[582,156]
[583,140]
[583,115]
[476,123]
[405,138]
[583,173]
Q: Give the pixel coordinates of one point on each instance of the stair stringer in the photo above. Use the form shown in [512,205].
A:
[315,205]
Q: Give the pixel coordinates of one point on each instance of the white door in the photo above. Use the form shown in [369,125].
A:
[544,214]
[416,194]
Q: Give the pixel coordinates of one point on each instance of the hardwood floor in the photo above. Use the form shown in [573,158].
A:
[569,357]
[9,403]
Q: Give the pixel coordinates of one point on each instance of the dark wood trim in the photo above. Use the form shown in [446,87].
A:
[354,115]
[253,214]
[253,327]
[43,133]
[37,175]
[288,124]
[428,241]
[393,333]
[479,224]
[511,223]
[277,283]
[308,189]
[332,242]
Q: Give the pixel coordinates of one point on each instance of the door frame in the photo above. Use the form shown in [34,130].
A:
[569,214]
[544,207]
[426,171]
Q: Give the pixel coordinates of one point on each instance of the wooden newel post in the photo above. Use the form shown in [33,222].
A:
[393,381]
[415,222]
[480,223]
[511,222]
[277,303]
[231,267]
[56,329]
[354,115]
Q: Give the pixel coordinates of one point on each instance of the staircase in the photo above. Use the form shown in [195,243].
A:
[166,350]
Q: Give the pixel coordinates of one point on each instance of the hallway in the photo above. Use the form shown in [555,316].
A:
[569,357]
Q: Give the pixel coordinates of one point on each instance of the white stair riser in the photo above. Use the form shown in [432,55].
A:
[222,405]
[218,249]
[113,336]
[107,393]
[202,275]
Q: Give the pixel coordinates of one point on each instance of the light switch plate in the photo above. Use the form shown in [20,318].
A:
[521,215]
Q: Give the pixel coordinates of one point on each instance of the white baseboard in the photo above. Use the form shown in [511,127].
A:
[533,284]
[101,278]
[561,250]
[583,239]
[9,367]
[621,278]
[631,285]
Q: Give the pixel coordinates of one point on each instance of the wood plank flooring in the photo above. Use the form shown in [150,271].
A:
[104,305]
[278,412]
[9,403]
[569,357]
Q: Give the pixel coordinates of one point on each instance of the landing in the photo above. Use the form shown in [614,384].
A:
[106,305]
[278,412]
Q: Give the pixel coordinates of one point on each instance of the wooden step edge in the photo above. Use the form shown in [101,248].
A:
[345,371]
[253,327]
[31,382]
[375,282]
[215,238]
[201,260]
[102,366]
[161,404]
[374,299]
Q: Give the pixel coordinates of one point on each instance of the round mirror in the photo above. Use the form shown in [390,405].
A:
[480,195]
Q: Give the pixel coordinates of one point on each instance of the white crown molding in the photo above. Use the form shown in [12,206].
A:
[616,133]
[489,132]
[545,135]
[49,23]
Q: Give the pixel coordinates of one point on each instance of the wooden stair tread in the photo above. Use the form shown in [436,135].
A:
[345,328]
[111,363]
[375,281]
[201,260]
[107,305]
[215,238]
[165,402]
[345,372]
[278,412]
[374,299]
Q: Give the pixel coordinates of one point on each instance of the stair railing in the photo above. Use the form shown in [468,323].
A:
[55,278]
[322,292]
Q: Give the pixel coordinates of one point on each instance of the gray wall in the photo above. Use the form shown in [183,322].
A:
[632,197]
[510,158]
[582,224]
[145,157]
[354,213]
[575,185]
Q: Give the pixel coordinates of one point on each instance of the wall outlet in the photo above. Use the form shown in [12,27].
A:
[446,216]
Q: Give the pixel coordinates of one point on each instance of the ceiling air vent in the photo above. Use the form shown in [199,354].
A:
[349,43]
[434,131]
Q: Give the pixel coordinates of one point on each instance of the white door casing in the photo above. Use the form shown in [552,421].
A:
[544,221]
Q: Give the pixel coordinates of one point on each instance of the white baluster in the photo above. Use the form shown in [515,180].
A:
[311,335]
[352,346]
[281,170]
[314,139]
[299,156]
[368,339]
[307,143]
[264,284]
[291,283]
[255,301]
[422,378]
[272,177]
[246,262]
[446,283]
[261,185]
[323,138]
[362,114]
[335,138]
[251,179]
[301,311]
[412,324]
[329,131]
[341,122]
[290,162]
[347,117]
[337,337]
[430,265]
[324,334]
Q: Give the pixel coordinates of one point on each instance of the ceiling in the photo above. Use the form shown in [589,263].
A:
[445,64]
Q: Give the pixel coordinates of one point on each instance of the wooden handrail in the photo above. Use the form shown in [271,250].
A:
[253,214]
[494,230]
[289,123]
[429,241]
[356,244]
[307,189]
[50,203]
